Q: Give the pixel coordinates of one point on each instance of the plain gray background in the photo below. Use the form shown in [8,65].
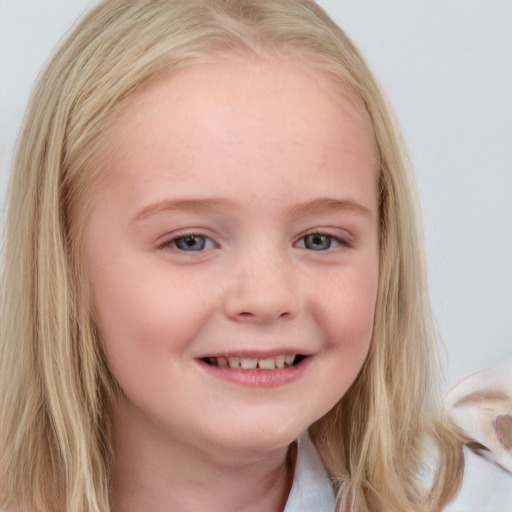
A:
[446,66]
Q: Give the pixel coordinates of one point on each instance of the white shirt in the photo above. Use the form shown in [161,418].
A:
[475,402]
[311,488]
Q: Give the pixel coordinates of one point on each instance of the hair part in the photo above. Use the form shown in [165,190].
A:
[56,390]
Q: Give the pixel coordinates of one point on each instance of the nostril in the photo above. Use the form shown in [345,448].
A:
[262,316]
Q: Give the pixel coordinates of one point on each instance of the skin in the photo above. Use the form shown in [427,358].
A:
[231,152]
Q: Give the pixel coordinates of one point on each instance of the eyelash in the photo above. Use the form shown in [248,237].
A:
[172,242]
[339,242]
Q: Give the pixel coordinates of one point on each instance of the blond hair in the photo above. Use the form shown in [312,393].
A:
[56,390]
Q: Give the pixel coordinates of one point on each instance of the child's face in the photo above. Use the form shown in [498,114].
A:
[237,218]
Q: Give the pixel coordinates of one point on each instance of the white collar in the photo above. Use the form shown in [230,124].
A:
[311,488]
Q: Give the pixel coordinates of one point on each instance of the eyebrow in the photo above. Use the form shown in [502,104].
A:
[316,206]
[174,205]
[329,205]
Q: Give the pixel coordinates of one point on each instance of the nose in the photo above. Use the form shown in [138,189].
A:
[263,289]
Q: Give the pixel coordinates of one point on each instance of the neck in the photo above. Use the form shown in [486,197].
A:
[153,472]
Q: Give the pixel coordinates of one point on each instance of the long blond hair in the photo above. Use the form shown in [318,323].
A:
[56,390]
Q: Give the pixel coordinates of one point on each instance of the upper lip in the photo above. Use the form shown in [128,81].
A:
[257,354]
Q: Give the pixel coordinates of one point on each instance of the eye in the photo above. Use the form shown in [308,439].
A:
[320,242]
[189,242]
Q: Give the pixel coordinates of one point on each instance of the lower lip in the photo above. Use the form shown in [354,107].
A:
[257,378]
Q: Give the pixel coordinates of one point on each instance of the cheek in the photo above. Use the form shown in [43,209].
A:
[345,313]
[348,308]
[142,316]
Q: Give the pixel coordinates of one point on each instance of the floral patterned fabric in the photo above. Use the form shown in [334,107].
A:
[482,405]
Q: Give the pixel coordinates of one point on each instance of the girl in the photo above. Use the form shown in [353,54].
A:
[213,294]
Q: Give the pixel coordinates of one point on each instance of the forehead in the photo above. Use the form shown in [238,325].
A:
[271,92]
[237,114]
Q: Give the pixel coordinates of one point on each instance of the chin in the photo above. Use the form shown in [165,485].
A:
[258,439]
[264,437]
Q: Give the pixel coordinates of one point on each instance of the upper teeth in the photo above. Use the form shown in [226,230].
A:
[251,363]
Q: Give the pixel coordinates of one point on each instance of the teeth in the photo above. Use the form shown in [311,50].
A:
[248,363]
[289,359]
[280,361]
[267,364]
[251,363]
[234,362]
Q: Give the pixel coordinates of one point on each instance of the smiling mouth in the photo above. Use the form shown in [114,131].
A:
[251,363]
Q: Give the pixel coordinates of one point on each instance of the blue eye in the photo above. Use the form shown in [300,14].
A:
[318,242]
[189,243]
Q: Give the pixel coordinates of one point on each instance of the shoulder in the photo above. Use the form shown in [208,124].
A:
[481,405]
